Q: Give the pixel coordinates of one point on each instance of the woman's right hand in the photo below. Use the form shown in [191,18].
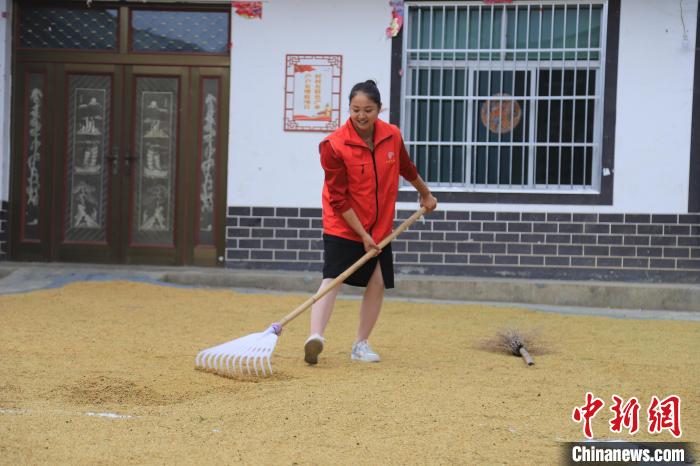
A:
[369,243]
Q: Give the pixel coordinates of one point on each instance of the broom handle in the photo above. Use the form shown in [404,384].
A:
[360,262]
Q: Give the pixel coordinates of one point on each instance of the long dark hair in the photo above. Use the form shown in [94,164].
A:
[370,89]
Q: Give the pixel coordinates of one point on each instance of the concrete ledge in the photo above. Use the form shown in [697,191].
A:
[545,292]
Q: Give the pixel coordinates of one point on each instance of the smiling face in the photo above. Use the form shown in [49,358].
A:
[363,113]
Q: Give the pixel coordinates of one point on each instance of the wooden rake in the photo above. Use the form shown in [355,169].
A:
[237,356]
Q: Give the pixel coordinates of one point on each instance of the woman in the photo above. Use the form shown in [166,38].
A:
[362,161]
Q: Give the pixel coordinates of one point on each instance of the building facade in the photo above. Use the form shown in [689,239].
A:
[562,139]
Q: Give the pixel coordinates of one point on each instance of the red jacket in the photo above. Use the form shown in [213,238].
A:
[364,181]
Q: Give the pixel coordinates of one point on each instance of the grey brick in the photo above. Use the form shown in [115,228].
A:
[649,252]
[663,218]
[545,227]
[273,244]
[412,235]
[626,251]
[263,232]
[609,239]
[230,222]
[609,262]
[249,243]
[531,260]
[418,246]
[558,217]
[635,263]
[520,249]
[398,246]
[435,215]
[494,226]
[558,239]
[677,252]
[506,260]
[570,228]
[456,236]
[263,211]
[508,216]
[238,232]
[469,247]
[570,250]
[233,254]
[583,262]
[688,264]
[444,247]
[261,255]
[454,215]
[586,218]
[231,244]
[456,258]
[318,224]
[596,250]
[483,237]
[524,227]
[507,237]
[407,258]
[623,229]
[662,263]
[677,230]
[650,230]
[445,226]
[316,244]
[544,249]
[285,233]
[249,221]
[273,222]
[431,258]
[611,218]
[298,223]
[287,212]
[556,261]
[315,213]
[689,218]
[636,240]
[533,216]
[422,226]
[432,236]
[689,241]
[584,239]
[487,216]
[531,238]
[238,211]
[493,248]
[404,214]
[285,255]
[315,234]
[309,256]
[480,259]
[298,244]
[469,226]
[596,228]
[667,241]
[637,218]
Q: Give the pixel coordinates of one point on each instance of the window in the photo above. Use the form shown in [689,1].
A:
[505,97]
[180,31]
[68,28]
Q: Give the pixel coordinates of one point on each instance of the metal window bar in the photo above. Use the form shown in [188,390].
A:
[484,63]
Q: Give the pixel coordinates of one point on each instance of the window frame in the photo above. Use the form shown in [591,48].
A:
[603,196]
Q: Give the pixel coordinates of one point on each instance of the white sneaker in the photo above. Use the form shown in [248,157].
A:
[361,351]
[312,348]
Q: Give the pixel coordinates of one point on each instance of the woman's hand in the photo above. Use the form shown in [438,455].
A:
[369,244]
[429,202]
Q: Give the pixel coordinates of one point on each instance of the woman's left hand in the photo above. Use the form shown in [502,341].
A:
[429,202]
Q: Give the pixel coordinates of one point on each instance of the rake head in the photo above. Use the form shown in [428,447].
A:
[237,356]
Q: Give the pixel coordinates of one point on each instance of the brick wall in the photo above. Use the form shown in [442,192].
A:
[3,229]
[629,247]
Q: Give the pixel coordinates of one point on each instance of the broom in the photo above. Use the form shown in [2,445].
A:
[236,356]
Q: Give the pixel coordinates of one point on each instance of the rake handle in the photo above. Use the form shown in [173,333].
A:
[360,262]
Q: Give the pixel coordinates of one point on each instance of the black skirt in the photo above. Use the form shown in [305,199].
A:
[340,253]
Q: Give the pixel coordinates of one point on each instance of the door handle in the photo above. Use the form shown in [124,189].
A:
[114,160]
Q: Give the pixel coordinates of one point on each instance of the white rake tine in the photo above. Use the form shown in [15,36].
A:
[255,363]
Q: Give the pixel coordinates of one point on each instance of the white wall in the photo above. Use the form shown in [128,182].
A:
[270,167]
[5,70]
